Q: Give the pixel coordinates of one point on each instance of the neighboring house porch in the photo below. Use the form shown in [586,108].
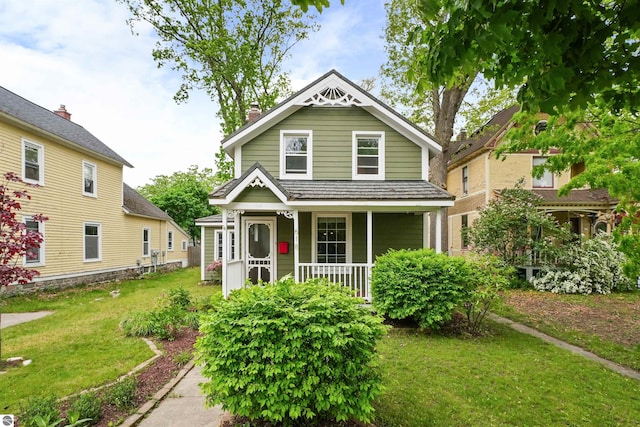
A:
[316,228]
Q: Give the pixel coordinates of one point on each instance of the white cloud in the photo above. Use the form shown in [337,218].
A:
[82,54]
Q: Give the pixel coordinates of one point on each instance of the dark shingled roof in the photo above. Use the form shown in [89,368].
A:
[343,189]
[482,136]
[215,219]
[577,197]
[136,204]
[28,112]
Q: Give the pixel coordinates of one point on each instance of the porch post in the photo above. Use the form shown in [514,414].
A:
[225,287]
[296,248]
[369,238]
[439,231]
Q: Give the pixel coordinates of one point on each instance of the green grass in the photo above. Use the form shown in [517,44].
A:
[507,379]
[80,345]
[600,342]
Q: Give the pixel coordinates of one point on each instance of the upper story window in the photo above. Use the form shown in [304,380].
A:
[146,242]
[465,180]
[368,155]
[546,180]
[170,240]
[89,178]
[296,154]
[92,236]
[32,162]
[35,254]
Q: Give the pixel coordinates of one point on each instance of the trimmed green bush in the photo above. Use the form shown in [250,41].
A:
[419,285]
[291,353]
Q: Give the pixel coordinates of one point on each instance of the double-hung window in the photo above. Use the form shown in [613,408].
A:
[32,162]
[170,240]
[546,180]
[296,154]
[146,242]
[465,180]
[464,231]
[332,244]
[92,242]
[368,155]
[89,178]
[231,244]
[34,254]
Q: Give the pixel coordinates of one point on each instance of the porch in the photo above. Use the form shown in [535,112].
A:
[337,245]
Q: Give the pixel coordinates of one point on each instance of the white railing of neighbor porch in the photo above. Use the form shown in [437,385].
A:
[353,276]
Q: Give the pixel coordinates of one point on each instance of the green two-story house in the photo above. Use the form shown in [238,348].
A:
[324,182]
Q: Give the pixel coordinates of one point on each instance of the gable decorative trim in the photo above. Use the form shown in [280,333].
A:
[257,183]
[333,95]
[286,214]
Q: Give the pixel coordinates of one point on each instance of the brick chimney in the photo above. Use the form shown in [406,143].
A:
[62,112]
[462,135]
[254,112]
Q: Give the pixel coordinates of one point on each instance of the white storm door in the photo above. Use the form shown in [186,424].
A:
[260,249]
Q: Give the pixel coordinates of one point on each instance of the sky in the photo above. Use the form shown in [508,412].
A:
[82,54]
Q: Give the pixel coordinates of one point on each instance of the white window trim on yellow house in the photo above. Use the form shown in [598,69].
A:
[41,250]
[169,240]
[146,242]
[84,241]
[40,149]
[94,178]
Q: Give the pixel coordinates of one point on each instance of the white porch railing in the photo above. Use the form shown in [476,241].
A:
[234,276]
[354,276]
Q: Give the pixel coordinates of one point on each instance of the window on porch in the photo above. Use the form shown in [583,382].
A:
[331,235]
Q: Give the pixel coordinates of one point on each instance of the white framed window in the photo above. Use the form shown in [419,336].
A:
[465,180]
[368,155]
[35,255]
[170,240]
[92,242]
[32,162]
[231,244]
[146,242]
[332,238]
[296,154]
[546,180]
[89,179]
[184,245]
[464,231]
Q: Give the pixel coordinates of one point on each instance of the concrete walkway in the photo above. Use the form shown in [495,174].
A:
[572,348]
[181,403]
[10,319]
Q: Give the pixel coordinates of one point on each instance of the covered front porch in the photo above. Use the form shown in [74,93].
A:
[340,246]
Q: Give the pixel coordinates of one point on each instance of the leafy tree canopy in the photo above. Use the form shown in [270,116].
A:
[564,53]
[184,196]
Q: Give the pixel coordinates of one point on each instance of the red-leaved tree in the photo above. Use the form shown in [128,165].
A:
[16,241]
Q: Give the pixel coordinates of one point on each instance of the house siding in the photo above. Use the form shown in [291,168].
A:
[257,195]
[396,231]
[332,144]
[285,234]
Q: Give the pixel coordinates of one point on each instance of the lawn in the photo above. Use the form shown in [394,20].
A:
[607,325]
[504,378]
[80,345]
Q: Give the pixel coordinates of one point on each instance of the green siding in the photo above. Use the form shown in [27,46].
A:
[305,229]
[332,144]
[257,195]
[359,237]
[209,247]
[396,231]
[285,234]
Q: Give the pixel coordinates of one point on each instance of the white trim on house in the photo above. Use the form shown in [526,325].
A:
[255,178]
[147,241]
[314,233]
[272,223]
[231,244]
[94,178]
[41,249]
[40,149]
[237,162]
[86,224]
[308,134]
[332,89]
[355,136]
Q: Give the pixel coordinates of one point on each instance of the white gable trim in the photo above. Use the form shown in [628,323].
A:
[332,90]
[256,178]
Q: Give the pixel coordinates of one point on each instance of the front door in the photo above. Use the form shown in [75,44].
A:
[259,247]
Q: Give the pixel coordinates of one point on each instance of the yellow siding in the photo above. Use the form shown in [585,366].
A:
[61,199]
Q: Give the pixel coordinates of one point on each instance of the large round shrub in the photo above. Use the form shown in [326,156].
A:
[285,352]
[420,285]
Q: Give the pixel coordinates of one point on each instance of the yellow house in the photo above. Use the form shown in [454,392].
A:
[474,175]
[99,228]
